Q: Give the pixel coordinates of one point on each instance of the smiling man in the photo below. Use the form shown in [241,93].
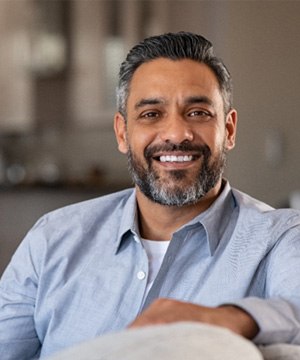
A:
[181,246]
[176,135]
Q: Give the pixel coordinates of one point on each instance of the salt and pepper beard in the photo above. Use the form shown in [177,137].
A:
[173,193]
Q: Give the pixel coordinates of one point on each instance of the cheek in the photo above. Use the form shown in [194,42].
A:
[215,140]
[139,141]
[220,134]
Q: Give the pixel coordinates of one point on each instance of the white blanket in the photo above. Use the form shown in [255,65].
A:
[179,341]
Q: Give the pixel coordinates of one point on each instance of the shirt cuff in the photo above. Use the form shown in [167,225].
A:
[276,319]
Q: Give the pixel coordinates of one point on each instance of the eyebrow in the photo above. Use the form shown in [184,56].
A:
[188,101]
[198,100]
[149,101]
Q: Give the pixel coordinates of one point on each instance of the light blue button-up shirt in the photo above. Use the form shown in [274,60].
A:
[77,274]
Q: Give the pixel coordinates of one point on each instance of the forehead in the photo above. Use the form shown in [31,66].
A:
[173,79]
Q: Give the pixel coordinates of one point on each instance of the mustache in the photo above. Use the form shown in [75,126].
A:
[183,147]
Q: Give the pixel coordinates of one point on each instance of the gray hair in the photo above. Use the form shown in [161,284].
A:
[173,46]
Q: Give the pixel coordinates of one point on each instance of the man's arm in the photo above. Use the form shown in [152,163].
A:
[163,311]
[276,315]
[18,286]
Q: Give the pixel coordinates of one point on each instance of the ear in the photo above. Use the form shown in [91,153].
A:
[230,125]
[120,132]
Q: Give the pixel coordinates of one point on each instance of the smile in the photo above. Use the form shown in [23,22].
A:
[174,158]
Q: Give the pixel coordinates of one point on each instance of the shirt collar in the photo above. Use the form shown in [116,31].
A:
[128,221]
[214,220]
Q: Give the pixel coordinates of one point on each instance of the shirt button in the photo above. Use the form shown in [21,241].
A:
[141,275]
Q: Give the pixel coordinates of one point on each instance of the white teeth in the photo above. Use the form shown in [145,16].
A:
[173,158]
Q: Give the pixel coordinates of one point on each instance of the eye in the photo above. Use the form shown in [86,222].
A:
[149,114]
[200,114]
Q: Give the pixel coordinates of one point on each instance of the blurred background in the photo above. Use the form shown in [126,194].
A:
[58,67]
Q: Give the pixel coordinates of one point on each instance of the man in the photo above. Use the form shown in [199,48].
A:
[181,246]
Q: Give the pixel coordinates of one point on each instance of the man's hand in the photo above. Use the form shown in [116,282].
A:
[163,311]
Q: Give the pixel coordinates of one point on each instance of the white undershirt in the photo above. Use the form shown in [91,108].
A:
[156,251]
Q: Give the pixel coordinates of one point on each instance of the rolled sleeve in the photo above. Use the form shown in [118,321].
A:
[276,319]
[277,312]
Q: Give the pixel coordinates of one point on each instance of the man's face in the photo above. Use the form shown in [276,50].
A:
[177,135]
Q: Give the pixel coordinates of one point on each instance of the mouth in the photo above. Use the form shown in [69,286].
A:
[175,158]
[172,156]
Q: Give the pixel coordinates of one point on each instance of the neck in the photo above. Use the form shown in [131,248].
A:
[159,222]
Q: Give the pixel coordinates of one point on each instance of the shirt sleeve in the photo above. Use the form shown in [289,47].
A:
[278,313]
[18,289]
[276,320]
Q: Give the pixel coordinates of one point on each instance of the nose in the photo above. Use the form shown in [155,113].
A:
[176,130]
